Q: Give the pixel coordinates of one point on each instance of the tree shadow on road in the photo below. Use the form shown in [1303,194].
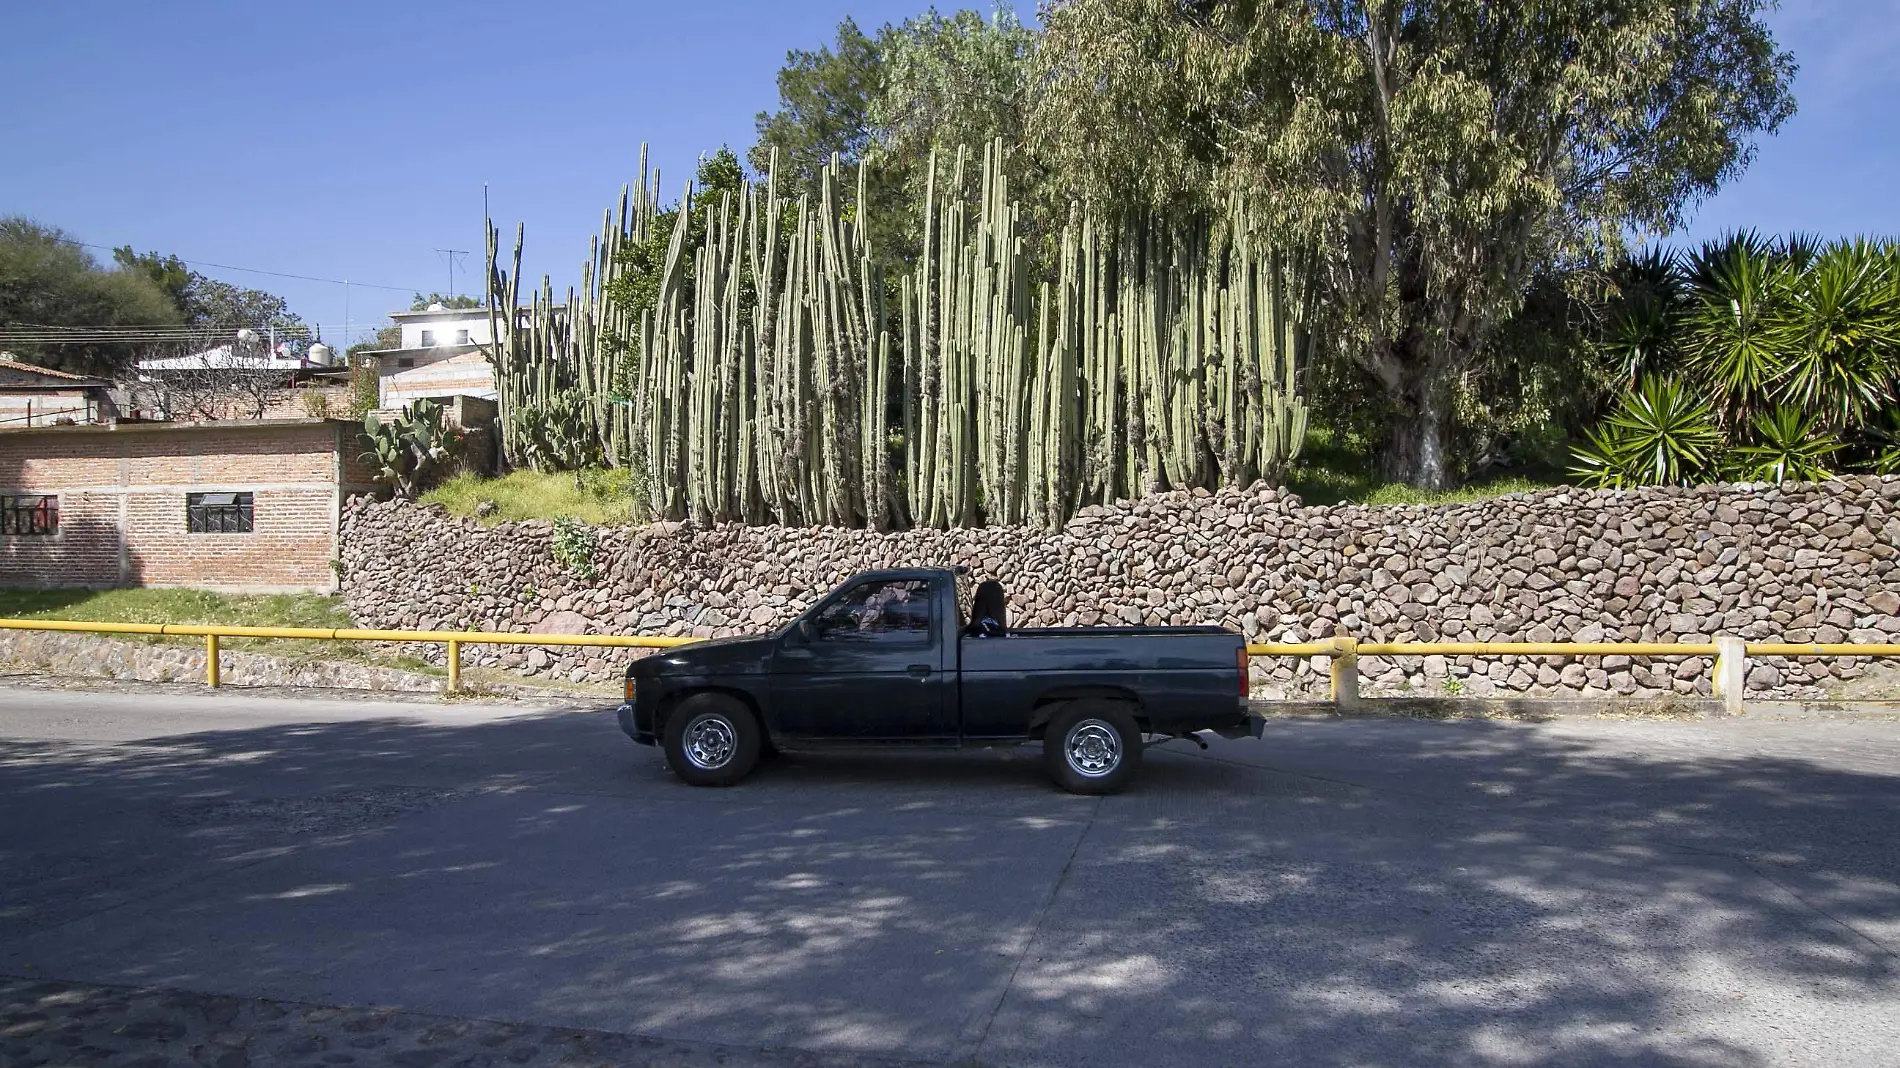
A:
[1502,895]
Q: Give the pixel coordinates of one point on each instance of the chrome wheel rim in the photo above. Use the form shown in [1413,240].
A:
[1094,748]
[710,742]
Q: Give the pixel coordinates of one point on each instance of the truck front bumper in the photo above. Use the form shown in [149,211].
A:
[630,725]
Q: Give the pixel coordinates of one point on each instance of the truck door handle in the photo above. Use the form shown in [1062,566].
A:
[920,671]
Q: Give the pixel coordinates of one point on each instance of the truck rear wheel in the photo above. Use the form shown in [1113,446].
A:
[712,740]
[1092,746]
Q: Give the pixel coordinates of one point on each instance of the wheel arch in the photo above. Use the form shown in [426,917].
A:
[1051,702]
[673,700]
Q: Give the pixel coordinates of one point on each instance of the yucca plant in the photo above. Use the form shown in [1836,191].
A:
[1659,435]
[1886,443]
[1644,324]
[1839,334]
[1737,288]
[1789,445]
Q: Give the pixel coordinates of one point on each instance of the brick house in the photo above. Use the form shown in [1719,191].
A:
[242,505]
[31,395]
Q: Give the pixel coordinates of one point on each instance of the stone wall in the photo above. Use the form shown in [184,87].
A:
[1797,563]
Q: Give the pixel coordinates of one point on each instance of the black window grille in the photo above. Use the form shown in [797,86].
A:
[218,513]
[29,514]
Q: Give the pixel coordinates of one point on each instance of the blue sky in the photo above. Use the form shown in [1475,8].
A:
[352,139]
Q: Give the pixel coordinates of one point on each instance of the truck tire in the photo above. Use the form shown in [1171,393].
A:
[1092,746]
[712,740]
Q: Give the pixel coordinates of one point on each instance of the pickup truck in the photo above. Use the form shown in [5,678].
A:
[882,661]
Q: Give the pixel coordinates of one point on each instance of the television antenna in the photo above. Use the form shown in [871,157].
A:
[451,253]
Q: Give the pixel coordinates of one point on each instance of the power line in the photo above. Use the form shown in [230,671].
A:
[273,274]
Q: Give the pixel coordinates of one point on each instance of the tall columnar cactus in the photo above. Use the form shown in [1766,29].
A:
[1158,353]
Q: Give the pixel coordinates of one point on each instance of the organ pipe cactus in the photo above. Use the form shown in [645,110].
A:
[1157,353]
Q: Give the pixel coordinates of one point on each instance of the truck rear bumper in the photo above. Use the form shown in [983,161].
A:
[1252,725]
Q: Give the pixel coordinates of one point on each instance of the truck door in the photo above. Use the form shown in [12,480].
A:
[870,669]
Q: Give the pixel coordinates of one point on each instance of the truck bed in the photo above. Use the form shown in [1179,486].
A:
[1178,674]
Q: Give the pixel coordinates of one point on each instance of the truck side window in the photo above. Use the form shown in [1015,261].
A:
[890,611]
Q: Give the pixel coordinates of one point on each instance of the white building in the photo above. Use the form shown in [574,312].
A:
[443,354]
[439,327]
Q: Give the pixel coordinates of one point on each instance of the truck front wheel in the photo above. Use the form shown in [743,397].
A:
[1092,746]
[712,740]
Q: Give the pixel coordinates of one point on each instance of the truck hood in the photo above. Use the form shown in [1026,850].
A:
[721,656]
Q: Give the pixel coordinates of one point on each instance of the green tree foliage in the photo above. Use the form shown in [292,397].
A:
[49,279]
[216,308]
[1795,344]
[460,302]
[1440,154]
[930,82]
[387,337]
[169,273]
[825,98]
[948,81]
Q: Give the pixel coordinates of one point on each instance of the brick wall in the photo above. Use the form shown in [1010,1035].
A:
[45,407]
[123,496]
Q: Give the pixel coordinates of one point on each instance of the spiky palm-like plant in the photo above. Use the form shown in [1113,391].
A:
[1789,445]
[1735,292]
[1839,334]
[1659,435]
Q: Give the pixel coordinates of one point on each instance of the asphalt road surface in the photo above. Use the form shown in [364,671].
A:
[231,880]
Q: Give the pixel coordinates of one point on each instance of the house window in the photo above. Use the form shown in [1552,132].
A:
[461,337]
[32,514]
[428,339]
[405,361]
[218,513]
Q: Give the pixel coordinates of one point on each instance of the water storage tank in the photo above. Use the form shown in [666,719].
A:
[322,355]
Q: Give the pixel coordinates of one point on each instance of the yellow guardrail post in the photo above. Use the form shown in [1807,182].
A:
[1731,674]
[455,666]
[1345,673]
[211,660]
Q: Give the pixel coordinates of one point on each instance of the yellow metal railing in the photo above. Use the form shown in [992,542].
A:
[1730,654]
[452,640]
[1730,674]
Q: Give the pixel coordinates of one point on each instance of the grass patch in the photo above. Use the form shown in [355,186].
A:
[176,606]
[205,608]
[593,496]
[1332,469]
[1335,469]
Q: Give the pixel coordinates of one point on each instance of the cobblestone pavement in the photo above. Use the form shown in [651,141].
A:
[57,1024]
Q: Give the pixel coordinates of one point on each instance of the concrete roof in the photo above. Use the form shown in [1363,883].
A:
[442,313]
[222,357]
[126,426]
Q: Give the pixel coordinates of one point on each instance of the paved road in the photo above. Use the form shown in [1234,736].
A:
[233,880]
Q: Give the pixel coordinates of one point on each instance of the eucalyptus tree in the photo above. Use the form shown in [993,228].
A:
[1439,153]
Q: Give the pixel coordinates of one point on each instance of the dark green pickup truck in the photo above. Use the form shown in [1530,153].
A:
[882,660]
